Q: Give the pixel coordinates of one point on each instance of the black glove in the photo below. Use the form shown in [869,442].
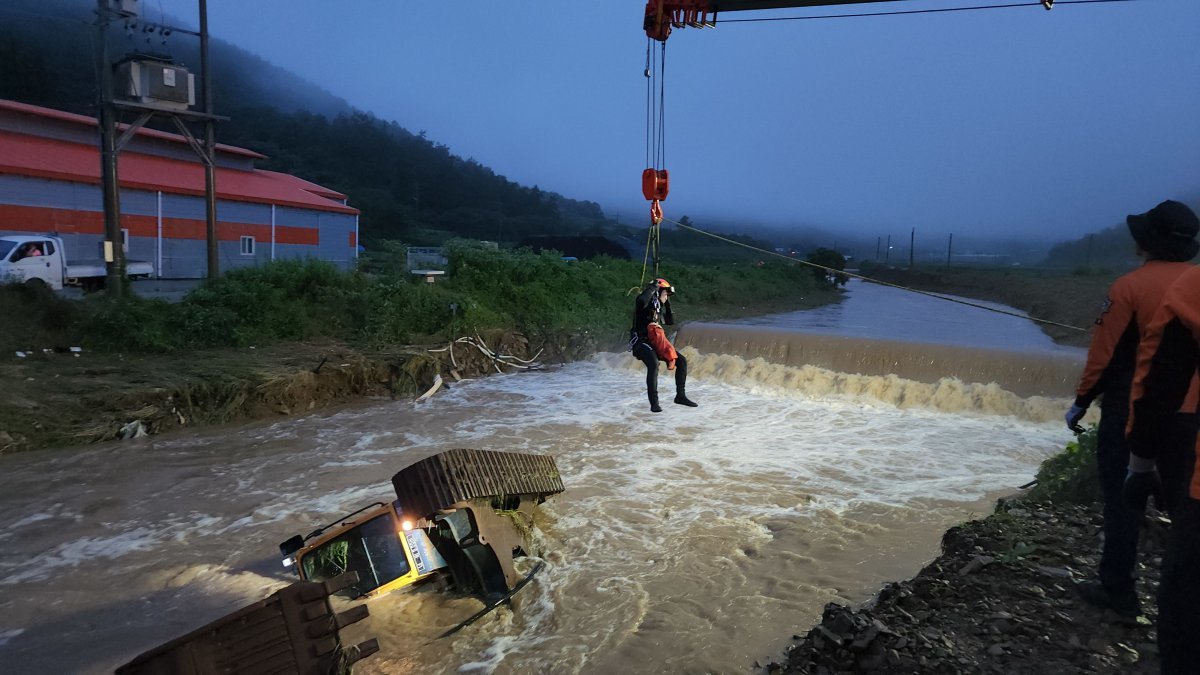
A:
[1140,486]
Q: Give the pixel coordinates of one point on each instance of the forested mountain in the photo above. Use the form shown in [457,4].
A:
[1111,249]
[408,187]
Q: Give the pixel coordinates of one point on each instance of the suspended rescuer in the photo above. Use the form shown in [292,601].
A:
[1166,239]
[650,305]
[1167,359]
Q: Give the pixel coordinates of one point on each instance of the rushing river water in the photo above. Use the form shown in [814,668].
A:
[696,540]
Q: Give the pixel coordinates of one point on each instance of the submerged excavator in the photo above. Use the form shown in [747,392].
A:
[461,516]
[461,513]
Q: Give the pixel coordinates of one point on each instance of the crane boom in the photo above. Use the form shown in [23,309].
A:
[662,15]
[741,5]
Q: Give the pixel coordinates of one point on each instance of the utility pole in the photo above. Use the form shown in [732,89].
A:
[912,243]
[877,242]
[210,170]
[114,251]
[111,144]
[887,253]
[949,247]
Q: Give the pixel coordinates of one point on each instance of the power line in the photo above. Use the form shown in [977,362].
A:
[917,11]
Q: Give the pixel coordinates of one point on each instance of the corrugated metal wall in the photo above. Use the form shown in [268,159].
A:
[74,210]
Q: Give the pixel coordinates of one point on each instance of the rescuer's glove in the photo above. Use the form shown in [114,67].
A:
[1142,483]
[1073,416]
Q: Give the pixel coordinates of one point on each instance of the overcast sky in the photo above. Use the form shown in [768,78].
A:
[996,122]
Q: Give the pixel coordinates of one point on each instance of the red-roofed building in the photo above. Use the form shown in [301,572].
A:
[50,183]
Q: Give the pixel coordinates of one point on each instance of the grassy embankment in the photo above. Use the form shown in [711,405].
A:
[293,336]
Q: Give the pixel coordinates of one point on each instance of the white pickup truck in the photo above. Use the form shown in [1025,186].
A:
[24,258]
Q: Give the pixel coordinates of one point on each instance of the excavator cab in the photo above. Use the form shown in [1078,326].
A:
[372,542]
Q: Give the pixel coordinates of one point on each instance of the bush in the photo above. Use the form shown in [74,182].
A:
[35,317]
[130,324]
[827,257]
[284,300]
[1071,476]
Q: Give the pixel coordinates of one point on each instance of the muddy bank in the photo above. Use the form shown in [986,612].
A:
[999,599]
[57,399]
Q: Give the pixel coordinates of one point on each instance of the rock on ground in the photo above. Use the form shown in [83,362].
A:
[999,599]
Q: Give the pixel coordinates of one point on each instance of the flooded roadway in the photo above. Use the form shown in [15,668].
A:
[697,540]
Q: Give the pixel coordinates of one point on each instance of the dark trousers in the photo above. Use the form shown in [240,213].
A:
[645,353]
[1179,592]
[1121,525]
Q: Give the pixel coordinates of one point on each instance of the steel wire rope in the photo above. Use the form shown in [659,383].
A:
[918,11]
[662,107]
[877,281]
[649,96]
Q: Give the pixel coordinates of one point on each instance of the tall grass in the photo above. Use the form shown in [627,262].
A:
[539,294]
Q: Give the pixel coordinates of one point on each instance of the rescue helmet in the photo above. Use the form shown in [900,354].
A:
[664,285]
[1167,231]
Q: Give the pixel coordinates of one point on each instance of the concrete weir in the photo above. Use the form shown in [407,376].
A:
[1024,373]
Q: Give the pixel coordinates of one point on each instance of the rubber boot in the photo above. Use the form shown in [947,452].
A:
[682,399]
[654,407]
[1124,601]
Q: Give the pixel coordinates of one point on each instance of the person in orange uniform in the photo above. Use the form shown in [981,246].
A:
[1166,239]
[650,304]
[1167,359]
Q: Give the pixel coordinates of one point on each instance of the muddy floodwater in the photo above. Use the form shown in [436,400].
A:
[696,540]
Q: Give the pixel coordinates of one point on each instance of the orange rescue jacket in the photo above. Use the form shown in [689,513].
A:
[1132,302]
[1167,363]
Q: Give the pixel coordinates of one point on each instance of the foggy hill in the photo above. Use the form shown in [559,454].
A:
[1111,248]
[407,186]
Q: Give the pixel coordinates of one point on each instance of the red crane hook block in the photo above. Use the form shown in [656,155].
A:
[656,184]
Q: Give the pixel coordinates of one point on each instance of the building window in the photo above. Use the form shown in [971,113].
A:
[247,245]
[125,240]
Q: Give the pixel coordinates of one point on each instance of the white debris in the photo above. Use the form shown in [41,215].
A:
[134,429]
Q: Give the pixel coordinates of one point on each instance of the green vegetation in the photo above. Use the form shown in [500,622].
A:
[539,295]
[1070,477]
[827,257]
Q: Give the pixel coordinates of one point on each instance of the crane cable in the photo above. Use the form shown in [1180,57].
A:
[656,145]
[654,178]
[876,281]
